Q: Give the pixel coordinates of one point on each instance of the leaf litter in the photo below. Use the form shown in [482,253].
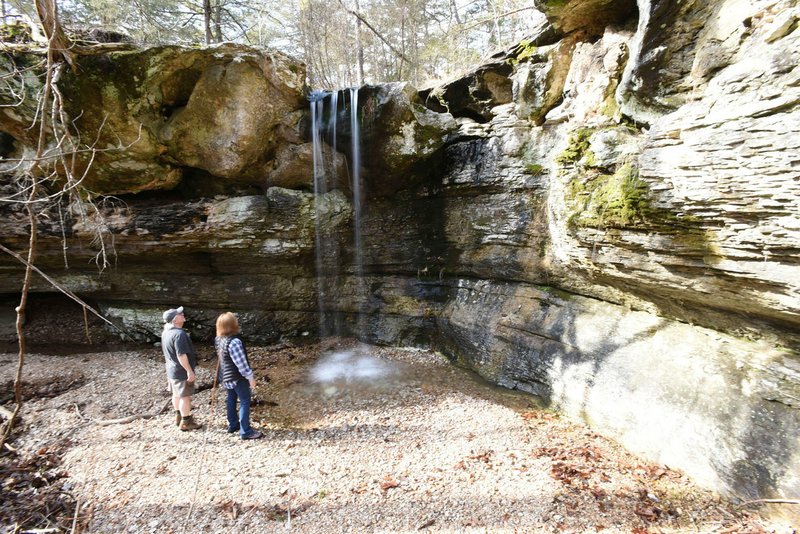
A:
[434,450]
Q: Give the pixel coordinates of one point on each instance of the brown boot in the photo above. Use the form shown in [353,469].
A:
[177,418]
[188,423]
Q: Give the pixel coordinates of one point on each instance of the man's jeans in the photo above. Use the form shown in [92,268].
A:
[241,420]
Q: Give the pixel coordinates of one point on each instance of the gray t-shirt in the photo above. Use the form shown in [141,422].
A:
[174,342]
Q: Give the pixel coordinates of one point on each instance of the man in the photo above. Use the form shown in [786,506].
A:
[181,359]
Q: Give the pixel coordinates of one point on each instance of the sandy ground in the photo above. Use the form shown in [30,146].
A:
[380,440]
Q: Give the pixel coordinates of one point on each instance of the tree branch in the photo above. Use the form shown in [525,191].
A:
[772,501]
[494,18]
[57,39]
[63,289]
[360,17]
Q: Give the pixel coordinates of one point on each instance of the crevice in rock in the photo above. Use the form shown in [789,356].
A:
[177,90]
[199,183]
[7,144]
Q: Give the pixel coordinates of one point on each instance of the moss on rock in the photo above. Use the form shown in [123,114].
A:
[577,147]
[616,200]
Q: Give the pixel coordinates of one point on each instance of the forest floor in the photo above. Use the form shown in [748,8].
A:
[376,439]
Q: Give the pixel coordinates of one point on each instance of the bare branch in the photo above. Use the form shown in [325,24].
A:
[360,17]
[64,290]
[493,18]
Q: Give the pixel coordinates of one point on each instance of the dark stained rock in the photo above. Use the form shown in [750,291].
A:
[588,16]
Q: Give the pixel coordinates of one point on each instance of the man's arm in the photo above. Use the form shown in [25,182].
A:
[183,359]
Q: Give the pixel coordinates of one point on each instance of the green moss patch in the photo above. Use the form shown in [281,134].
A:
[524,52]
[577,147]
[602,200]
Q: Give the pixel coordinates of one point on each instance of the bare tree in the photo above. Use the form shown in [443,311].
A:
[49,177]
[49,15]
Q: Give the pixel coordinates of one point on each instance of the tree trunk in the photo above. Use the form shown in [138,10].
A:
[359,48]
[207,20]
[59,43]
[218,20]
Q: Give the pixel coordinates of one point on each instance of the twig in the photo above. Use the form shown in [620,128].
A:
[204,448]
[75,517]
[86,325]
[63,289]
[130,418]
[772,501]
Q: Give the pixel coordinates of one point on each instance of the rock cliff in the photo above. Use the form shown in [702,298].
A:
[606,215]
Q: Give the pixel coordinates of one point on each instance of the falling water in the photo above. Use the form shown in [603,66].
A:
[332,120]
[356,172]
[320,188]
[356,366]
[327,253]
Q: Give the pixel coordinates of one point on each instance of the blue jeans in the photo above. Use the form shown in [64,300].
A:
[241,420]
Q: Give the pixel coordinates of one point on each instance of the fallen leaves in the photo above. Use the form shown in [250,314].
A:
[567,473]
[43,388]
[540,416]
[648,513]
[388,483]
[230,508]
[32,491]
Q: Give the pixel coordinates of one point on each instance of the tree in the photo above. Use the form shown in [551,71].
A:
[344,43]
[47,178]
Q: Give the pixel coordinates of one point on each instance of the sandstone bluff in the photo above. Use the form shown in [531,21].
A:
[606,215]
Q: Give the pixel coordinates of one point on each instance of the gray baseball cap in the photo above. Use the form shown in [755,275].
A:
[169,315]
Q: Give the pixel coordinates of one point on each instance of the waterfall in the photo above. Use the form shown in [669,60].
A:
[332,120]
[358,257]
[327,252]
[316,103]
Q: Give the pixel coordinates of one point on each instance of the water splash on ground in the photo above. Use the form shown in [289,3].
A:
[351,366]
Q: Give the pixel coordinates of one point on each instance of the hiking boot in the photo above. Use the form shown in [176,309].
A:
[254,434]
[188,423]
[177,418]
[232,430]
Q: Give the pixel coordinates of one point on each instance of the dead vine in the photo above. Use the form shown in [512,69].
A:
[50,177]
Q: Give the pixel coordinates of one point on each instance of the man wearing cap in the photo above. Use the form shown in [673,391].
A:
[180,359]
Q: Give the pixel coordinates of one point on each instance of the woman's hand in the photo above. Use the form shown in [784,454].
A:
[253,383]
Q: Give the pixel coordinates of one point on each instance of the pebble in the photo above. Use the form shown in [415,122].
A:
[447,465]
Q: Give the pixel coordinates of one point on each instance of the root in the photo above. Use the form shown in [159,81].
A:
[123,420]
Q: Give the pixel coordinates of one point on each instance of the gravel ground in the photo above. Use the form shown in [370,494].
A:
[374,440]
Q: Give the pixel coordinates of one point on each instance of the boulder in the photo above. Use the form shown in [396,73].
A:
[235,115]
[144,118]
[400,137]
[292,166]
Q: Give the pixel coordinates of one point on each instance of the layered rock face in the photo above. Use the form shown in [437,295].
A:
[607,216]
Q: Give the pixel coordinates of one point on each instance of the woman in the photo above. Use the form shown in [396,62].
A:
[235,375]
